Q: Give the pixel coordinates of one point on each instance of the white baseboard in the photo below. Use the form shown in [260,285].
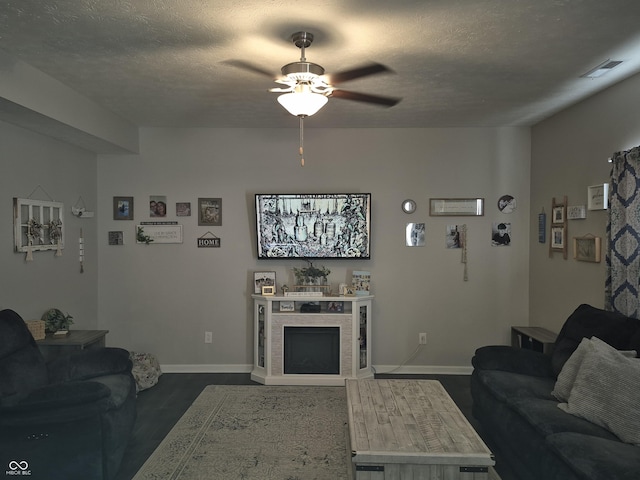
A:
[423,370]
[206,368]
[406,370]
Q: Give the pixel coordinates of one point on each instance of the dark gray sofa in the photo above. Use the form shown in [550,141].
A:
[67,420]
[511,390]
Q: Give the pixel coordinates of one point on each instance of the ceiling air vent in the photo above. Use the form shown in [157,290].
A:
[604,67]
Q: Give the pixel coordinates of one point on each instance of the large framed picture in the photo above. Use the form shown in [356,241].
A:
[210,211]
[123,208]
[326,225]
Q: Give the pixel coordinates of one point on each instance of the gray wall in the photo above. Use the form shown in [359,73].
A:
[162,298]
[569,153]
[65,173]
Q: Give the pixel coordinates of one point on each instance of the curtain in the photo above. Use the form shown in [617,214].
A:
[623,235]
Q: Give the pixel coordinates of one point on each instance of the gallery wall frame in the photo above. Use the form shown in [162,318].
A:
[38,225]
[123,208]
[462,207]
[587,249]
[209,211]
[598,197]
[156,234]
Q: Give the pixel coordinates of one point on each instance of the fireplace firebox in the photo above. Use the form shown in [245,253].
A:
[312,350]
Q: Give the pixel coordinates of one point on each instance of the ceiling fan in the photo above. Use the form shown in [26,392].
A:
[306,89]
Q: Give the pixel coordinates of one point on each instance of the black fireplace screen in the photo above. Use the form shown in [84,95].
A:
[312,350]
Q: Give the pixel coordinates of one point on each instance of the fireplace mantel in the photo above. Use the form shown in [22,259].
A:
[352,315]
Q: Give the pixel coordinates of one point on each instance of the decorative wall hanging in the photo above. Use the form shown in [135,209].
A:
[209,240]
[587,248]
[123,208]
[506,203]
[598,197]
[79,209]
[408,206]
[576,212]
[81,251]
[414,234]
[456,206]
[159,233]
[210,211]
[38,225]
[542,227]
[559,233]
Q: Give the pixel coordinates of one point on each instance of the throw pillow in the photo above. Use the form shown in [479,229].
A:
[605,392]
[567,375]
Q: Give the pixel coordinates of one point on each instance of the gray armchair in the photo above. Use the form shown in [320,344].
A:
[69,419]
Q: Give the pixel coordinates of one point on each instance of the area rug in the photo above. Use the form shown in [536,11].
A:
[256,433]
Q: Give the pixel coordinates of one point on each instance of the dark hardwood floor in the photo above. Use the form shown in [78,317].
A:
[160,407]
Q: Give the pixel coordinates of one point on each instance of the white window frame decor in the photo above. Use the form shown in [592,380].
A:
[37,225]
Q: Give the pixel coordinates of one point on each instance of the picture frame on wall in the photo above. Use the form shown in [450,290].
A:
[463,207]
[209,211]
[123,208]
[557,238]
[558,214]
[598,197]
[587,249]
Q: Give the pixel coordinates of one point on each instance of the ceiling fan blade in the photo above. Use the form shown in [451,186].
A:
[250,67]
[366,98]
[364,71]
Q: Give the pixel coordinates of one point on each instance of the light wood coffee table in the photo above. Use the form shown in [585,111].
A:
[411,429]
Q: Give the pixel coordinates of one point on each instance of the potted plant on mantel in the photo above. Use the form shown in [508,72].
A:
[311,276]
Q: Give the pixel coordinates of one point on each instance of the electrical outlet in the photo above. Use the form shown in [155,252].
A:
[422,338]
[208,337]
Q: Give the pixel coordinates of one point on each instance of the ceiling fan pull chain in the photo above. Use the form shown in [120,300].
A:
[302,140]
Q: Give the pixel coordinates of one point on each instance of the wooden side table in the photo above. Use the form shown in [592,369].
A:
[533,338]
[53,346]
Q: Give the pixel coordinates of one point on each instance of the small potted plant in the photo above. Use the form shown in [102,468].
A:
[311,275]
[56,322]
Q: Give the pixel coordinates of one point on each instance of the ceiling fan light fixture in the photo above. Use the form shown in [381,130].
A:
[302,103]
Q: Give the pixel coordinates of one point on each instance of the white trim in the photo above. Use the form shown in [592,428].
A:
[424,369]
[406,370]
[206,368]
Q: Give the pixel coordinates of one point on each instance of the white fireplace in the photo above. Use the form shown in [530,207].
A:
[349,317]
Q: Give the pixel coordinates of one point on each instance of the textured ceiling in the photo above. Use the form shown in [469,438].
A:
[458,62]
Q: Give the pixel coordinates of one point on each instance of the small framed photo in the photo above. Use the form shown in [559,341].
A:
[268,291]
[557,238]
[116,238]
[558,214]
[337,307]
[263,279]
[183,209]
[158,206]
[349,291]
[210,211]
[123,208]
[287,306]
[587,249]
